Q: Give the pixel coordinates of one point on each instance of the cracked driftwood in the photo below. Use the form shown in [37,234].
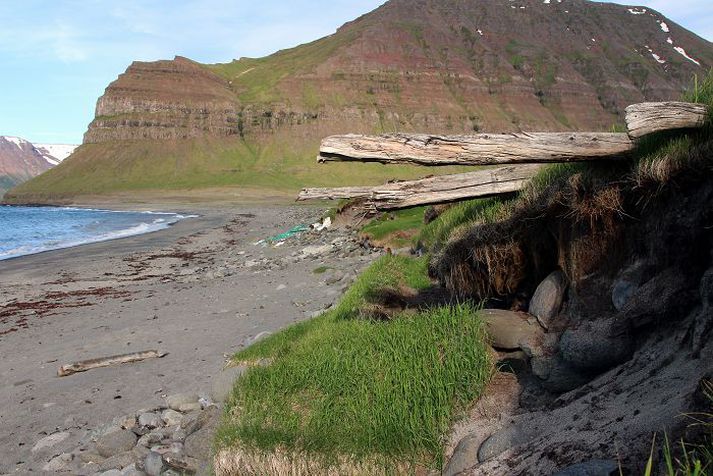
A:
[481,149]
[433,190]
[85,365]
[648,117]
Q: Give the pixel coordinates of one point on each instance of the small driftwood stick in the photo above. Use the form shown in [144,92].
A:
[648,117]
[85,365]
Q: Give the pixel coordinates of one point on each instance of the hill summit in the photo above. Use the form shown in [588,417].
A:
[441,66]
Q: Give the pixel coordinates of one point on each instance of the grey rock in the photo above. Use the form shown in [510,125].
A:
[111,472]
[547,301]
[223,383]
[628,282]
[503,440]
[49,441]
[175,401]
[115,442]
[119,461]
[90,457]
[507,328]
[132,470]
[171,417]
[592,347]
[189,407]
[198,444]
[153,464]
[58,463]
[181,463]
[195,422]
[150,420]
[595,467]
[465,456]
[150,439]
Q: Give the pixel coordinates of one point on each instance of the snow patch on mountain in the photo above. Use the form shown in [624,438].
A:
[56,152]
[683,53]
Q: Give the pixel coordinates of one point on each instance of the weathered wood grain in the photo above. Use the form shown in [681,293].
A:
[433,190]
[86,365]
[649,117]
[481,149]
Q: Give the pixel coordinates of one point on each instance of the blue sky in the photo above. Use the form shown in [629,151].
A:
[57,56]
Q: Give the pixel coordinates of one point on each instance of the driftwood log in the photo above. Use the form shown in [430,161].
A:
[481,149]
[85,365]
[433,190]
[646,118]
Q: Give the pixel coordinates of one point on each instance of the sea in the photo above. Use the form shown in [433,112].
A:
[30,230]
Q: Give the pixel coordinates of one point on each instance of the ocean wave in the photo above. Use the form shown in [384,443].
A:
[50,244]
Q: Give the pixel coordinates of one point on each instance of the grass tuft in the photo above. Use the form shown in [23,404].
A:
[371,393]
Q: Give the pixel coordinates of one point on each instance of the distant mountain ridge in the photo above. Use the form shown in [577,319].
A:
[439,66]
[20,160]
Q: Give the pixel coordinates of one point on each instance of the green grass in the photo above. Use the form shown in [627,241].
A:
[477,210]
[395,229]
[384,392]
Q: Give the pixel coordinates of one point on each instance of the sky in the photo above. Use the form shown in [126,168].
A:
[57,56]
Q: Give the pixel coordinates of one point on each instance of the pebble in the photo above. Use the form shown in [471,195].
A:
[172,417]
[150,420]
[153,464]
[175,401]
[189,407]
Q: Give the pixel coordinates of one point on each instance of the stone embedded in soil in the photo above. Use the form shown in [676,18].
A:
[595,467]
[50,441]
[175,401]
[547,301]
[465,456]
[223,383]
[115,442]
[507,329]
[505,439]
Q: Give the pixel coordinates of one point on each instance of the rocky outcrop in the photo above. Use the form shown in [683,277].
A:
[164,100]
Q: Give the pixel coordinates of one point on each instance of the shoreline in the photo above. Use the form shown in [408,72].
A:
[198,290]
[179,218]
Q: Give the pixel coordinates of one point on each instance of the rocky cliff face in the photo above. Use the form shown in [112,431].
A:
[164,100]
[439,66]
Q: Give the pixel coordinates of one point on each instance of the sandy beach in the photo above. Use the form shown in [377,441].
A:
[199,291]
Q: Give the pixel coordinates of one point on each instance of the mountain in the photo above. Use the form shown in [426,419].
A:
[21,160]
[442,66]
